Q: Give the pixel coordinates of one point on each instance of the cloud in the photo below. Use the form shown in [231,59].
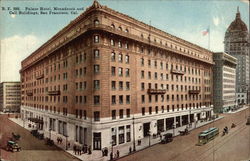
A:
[13,50]
[216,21]
[195,36]
[245,1]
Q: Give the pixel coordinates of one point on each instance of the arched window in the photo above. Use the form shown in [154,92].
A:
[96,22]
[113,26]
[120,28]
[126,30]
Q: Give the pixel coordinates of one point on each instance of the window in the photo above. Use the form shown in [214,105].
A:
[128,133]
[112,42]
[142,74]
[156,109]
[121,99]
[96,38]
[126,45]
[121,135]
[150,110]
[120,72]
[120,85]
[113,99]
[96,100]
[113,71]
[113,114]
[112,56]
[149,75]
[127,72]
[126,59]
[142,86]
[142,98]
[96,54]
[121,113]
[113,85]
[119,44]
[96,22]
[142,62]
[120,58]
[96,116]
[113,132]
[96,69]
[143,111]
[96,84]
[127,86]
[128,113]
[128,99]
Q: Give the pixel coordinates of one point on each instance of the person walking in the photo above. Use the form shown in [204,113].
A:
[117,153]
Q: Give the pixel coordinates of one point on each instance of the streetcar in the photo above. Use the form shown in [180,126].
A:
[207,135]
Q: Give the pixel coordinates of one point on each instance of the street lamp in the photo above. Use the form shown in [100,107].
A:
[66,147]
[134,148]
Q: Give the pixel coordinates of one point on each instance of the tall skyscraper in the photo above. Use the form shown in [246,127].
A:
[236,43]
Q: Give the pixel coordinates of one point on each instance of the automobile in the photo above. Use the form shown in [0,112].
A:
[248,121]
[168,137]
[12,146]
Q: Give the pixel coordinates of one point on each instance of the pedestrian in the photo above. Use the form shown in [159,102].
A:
[89,150]
[111,156]
[130,149]
[68,145]
[74,149]
[83,150]
[117,153]
[160,137]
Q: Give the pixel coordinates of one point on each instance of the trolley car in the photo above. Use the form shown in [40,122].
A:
[207,135]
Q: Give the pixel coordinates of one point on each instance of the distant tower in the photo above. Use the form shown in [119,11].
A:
[236,43]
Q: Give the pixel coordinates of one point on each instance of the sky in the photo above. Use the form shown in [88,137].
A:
[21,34]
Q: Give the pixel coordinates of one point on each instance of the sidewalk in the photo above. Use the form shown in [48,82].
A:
[240,109]
[123,149]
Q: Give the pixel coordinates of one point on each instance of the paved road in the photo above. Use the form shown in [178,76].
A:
[32,148]
[234,146]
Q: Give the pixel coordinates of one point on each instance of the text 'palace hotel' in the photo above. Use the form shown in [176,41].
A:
[107,78]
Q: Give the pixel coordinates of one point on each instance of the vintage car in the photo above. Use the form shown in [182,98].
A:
[13,146]
[168,137]
[248,121]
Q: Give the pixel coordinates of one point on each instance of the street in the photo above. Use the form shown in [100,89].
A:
[32,148]
[234,146]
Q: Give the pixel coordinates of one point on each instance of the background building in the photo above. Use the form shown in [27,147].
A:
[107,78]
[224,82]
[237,44]
[10,96]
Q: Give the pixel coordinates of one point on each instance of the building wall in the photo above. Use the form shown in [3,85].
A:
[10,96]
[69,81]
[224,72]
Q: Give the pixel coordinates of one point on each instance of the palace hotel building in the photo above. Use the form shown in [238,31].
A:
[107,78]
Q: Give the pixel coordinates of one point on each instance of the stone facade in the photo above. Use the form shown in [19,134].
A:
[224,82]
[108,78]
[237,44]
[10,96]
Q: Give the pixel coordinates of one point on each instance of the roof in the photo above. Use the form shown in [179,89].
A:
[237,24]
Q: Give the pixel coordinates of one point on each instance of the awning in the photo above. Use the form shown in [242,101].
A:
[36,120]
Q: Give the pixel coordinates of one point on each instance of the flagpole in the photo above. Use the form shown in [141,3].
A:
[209,37]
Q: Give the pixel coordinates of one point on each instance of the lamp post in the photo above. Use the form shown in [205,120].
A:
[134,148]
[66,142]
